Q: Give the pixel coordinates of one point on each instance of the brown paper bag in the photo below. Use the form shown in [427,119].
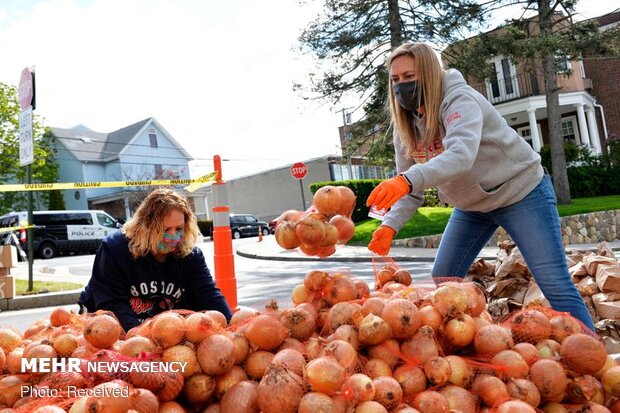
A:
[608,278]
[607,305]
[592,262]
[534,296]
[587,286]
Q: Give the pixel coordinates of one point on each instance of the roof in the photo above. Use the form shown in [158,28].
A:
[90,146]
[609,18]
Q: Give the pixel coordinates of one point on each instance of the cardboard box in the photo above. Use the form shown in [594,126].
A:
[7,287]
[8,256]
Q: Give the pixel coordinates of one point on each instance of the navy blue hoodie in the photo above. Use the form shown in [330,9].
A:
[135,289]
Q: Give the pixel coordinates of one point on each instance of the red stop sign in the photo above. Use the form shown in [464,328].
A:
[25,89]
[299,170]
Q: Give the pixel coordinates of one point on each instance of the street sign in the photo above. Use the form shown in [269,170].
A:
[26,90]
[26,142]
[299,170]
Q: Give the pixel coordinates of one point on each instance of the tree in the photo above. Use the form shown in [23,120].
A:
[351,41]
[540,43]
[44,169]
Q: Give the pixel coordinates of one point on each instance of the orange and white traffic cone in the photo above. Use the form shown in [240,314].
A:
[260,233]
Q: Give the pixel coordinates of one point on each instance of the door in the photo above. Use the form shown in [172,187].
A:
[503,84]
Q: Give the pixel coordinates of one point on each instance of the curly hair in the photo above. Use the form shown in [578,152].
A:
[146,227]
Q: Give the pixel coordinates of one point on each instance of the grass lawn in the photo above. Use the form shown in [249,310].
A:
[21,287]
[432,221]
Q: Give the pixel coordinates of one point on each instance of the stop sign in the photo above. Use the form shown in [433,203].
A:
[25,89]
[299,170]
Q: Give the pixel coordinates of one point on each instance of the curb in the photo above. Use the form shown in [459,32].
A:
[40,300]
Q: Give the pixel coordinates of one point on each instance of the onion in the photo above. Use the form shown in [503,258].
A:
[101,331]
[343,313]
[421,347]
[265,332]
[370,407]
[609,363]
[431,401]
[134,346]
[376,368]
[242,316]
[286,235]
[550,378]
[530,326]
[437,370]
[147,380]
[554,408]
[459,399]
[60,316]
[143,401]
[374,305]
[611,381]
[299,322]
[460,371]
[373,330]
[411,379]
[171,407]
[388,392]
[515,406]
[583,354]
[385,276]
[49,409]
[548,349]
[168,329]
[290,215]
[345,226]
[431,317]
[528,351]
[292,359]
[300,294]
[10,389]
[460,330]
[510,364]
[388,351]
[327,200]
[40,351]
[182,354]
[492,339]
[199,388]
[403,318]
[449,299]
[114,399]
[310,230]
[476,299]
[14,360]
[340,289]
[198,326]
[324,374]
[225,381]
[173,385]
[523,389]
[403,277]
[242,347]
[241,398]
[564,325]
[347,333]
[363,291]
[490,389]
[216,354]
[257,363]
[217,317]
[583,389]
[316,280]
[293,344]
[359,387]
[315,402]
[347,201]
[344,353]
[280,391]
[64,345]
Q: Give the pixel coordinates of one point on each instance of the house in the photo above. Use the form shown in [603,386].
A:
[518,94]
[144,150]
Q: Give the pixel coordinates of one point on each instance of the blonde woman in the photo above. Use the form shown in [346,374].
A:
[151,265]
[447,135]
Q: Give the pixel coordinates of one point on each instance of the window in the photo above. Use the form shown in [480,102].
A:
[570,132]
[105,220]
[526,133]
[494,82]
[502,83]
[153,139]
[507,77]
[562,64]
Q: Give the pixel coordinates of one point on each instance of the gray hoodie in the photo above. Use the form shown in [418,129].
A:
[485,164]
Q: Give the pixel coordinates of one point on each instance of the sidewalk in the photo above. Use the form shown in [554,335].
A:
[268,249]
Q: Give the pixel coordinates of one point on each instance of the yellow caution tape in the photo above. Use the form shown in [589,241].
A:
[10,229]
[105,184]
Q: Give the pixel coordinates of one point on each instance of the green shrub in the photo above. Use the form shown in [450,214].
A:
[571,153]
[206,227]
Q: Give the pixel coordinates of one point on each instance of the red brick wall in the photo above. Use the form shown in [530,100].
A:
[606,89]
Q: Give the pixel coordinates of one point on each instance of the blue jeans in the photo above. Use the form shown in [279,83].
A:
[534,225]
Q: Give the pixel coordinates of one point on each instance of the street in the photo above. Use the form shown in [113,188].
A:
[258,281]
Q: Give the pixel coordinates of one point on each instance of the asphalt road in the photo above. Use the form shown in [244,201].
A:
[258,281]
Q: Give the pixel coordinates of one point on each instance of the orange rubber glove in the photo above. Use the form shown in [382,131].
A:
[381,240]
[388,192]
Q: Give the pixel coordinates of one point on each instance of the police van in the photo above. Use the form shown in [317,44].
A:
[60,232]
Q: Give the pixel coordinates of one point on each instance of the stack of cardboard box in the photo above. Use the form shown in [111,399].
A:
[8,260]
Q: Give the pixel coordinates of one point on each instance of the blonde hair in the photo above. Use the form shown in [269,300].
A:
[430,84]
[146,228]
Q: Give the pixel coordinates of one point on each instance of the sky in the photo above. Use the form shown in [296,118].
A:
[216,74]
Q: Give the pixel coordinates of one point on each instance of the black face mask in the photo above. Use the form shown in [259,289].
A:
[406,94]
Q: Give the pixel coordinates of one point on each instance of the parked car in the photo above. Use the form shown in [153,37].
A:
[58,232]
[272,225]
[246,225]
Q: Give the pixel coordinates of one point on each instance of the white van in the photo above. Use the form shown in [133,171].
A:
[59,232]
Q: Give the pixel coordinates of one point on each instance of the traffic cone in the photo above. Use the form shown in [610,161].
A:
[260,233]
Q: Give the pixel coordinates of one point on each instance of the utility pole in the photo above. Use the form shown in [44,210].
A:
[346,121]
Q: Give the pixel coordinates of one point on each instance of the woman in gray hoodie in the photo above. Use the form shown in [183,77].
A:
[449,136]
